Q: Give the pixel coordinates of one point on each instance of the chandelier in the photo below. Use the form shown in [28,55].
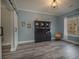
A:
[54,4]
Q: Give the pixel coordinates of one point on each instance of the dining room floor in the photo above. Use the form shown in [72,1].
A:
[43,50]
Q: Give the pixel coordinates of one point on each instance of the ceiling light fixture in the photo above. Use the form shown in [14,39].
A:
[54,3]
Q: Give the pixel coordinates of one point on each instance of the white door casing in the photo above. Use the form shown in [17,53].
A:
[65,29]
[14,43]
[15,29]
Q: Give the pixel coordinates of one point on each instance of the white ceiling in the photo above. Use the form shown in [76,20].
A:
[44,6]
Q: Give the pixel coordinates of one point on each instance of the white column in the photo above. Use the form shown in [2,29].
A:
[65,29]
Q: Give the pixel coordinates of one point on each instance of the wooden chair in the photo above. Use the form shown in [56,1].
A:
[58,36]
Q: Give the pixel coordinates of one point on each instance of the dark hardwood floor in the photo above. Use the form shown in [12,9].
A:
[43,50]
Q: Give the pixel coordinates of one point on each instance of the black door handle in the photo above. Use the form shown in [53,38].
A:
[1,29]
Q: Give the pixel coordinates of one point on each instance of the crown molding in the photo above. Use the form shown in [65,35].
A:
[27,10]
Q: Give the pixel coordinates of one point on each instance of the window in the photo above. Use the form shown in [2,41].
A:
[73,25]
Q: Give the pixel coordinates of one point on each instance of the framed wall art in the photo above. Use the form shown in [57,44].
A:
[28,25]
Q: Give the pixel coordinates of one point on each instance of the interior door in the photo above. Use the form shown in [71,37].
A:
[6,24]
[9,24]
[0,32]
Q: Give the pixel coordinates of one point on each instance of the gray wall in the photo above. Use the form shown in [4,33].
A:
[60,23]
[57,24]
[27,34]
[73,38]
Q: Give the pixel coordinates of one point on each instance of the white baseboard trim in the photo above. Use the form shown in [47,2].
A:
[13,49]
[22,42]
[71,41]
[52,38]
[6,44]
